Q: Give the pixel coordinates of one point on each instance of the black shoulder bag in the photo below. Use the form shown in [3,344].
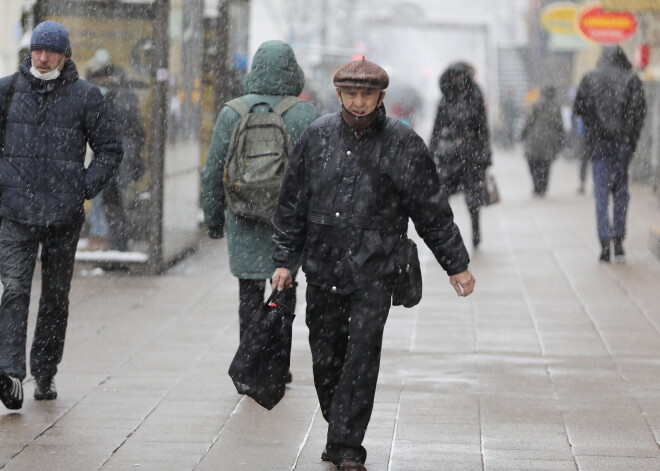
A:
[408,284]
[5,111]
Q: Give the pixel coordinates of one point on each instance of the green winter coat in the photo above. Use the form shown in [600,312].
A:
[274,75]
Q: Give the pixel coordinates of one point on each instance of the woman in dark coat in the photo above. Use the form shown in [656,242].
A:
[543,135]
[460,141]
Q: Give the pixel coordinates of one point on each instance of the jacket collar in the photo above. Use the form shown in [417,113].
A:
[69,74]
[375,126]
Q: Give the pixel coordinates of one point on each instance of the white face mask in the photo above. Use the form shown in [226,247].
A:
[53,74]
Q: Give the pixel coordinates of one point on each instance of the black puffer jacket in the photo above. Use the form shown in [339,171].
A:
[42,176]
[610,100]
[345,201]
[461,119]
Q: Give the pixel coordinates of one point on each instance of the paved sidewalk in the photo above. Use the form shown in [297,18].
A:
[553,364]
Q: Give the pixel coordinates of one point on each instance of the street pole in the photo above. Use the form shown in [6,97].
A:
[223,70]
[159,113]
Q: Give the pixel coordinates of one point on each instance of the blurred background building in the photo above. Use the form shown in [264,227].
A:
[185,58]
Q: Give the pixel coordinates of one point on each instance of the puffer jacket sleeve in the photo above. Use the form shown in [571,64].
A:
[290,219]
[105,141]
[213,192]
[427,206]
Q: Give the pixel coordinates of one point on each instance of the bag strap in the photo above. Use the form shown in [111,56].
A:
[239,106]
[286,104]
[5,111]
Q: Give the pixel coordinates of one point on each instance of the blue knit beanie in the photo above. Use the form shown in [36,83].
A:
[51,36]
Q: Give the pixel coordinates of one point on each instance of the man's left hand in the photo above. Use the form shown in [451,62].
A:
[463,283]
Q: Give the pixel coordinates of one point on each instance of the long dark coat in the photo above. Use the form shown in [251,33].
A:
[543,133]
[43,180]
[345,201]
[461,120]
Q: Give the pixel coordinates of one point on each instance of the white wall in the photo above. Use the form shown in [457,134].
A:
[10,35]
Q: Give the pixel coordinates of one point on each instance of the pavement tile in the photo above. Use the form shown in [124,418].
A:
[617,463]
[552,364]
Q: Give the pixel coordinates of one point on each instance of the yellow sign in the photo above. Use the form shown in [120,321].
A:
[559,18]
[631,5]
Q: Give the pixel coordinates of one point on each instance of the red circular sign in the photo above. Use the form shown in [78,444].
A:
[606,26]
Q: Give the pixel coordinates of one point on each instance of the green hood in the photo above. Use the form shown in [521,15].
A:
[275,71]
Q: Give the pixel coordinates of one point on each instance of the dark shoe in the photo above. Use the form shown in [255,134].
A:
[324,455]
[44,389]
[619,254]
[351,465]
[11,391]
[289,377]
[605,251]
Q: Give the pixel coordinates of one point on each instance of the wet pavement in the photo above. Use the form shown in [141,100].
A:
[553,364]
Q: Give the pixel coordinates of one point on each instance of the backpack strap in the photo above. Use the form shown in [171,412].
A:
[239,106]
[5,110]
[286,104]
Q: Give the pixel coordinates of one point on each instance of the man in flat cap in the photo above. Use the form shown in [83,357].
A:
[354,179]
[48,116]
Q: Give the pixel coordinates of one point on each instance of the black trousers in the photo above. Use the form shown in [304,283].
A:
[346,335]
[250,298]
[19,244]
[540,170]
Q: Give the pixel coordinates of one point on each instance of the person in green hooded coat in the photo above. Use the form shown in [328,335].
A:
[275,74]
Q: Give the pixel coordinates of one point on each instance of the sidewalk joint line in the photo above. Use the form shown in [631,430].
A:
[217,435]
[390,459]
[305,438]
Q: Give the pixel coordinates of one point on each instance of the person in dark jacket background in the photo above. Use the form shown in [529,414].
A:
[275,74]
[109,204]
[610,100]
[354,179]
[460,143]
[544,136]
[51,117]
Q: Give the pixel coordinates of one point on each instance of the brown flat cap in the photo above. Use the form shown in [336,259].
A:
[361,73]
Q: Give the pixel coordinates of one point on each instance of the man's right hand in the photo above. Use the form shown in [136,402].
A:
[282,279]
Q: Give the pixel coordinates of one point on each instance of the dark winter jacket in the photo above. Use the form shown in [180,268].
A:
[43,180]
[345,202]
[461,121]
[610,100]
[275,74]
[125,104]
[543,133]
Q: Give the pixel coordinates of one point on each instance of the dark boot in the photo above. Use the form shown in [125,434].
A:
[619,254]
[605,251]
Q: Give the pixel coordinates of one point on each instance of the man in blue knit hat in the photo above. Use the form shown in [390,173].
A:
[47,118]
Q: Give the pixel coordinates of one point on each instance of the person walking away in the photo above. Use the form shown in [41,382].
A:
[354,180]
[275,76]
[544,137]
[461,138]
[108,206]
[610,100]
[51,117]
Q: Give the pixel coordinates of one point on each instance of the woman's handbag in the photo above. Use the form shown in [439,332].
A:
[408,285]
[261,363]
[491,189]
